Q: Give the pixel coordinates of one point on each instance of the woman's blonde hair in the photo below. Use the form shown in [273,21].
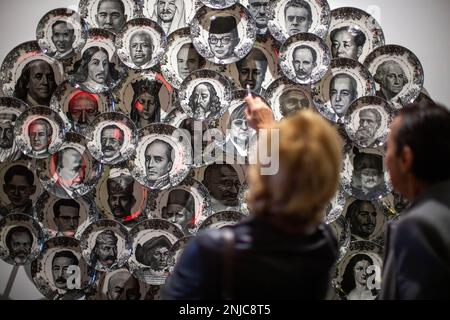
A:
[309,165]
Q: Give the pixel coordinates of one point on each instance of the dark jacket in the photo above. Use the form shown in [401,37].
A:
[417,257]
[267,264]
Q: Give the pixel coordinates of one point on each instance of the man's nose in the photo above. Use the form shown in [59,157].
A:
[166,5]
[396,80]
[262,11]
[139,48]
[108,19]
[338,97]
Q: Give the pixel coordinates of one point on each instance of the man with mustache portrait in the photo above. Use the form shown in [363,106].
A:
[104,253]
[170,15]
[111,140]
[363,219]
[19,241]
[304,59]
[368,177]
[222,182]
[120,196]
[204,101]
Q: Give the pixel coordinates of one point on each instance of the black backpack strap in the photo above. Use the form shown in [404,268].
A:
[228,248]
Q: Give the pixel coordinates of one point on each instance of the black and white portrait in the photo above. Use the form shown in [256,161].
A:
[169,14]
[297,16]
[239,134]
[61,33]
[145,105]
[291,101]
[223,37]
[94,72]
[188,60]
[305,58]
[83,107]
[120,195]
[258,9]
[120,285]
[204,101]
[391,77]
[252,70]
[353,33]
[366,222]
[112,138]
[343,91]
[368,181]
[10,110]
[141,48]
[104,252]
[19,240]
[110,14]
[180,209]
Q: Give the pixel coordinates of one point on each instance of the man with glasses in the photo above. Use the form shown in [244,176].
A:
[223,37]
[19,187]
[66,214]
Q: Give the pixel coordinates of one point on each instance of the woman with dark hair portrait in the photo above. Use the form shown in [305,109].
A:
[145,106]
[94,72]
[36,83]
[354,282]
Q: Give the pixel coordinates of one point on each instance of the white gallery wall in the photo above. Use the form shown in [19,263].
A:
[422,26]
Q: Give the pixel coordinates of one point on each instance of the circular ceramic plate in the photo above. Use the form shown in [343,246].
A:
[19,63]
[186,205]
[350,25]
[175,14]
[222,219]
[363,174]
[141,43]
[205,94]
[346,81]
[395,61]
[100,47]
[120,284]
[79,108]
[119,197]
[312,17]
[286,97]
[39,132]
[112,138]
[64,217]
[10,110]
[106,245]
[60,273]
[304,58]
[145,96]
[223,182]
[160,140]
[71,172]
[236,27]
[151,241]
[368,121]
[25,229]
[96,13]
[180,58]
[61,33]
[365,259]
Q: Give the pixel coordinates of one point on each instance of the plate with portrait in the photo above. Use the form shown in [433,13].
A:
[112,138]
[353,34]
[119,197]
[171,15]
[341,230]
[163,157]
[368,121]
[19,187]
[107,14]
[398,74]
[346,81]
[99,68]
[141,43]
[367,220]
[21,239]
[187,205]
[335,207]
[304,58]
[258,9]
[175,252]
[289,17]
[151,241]
[205,94]
[358,274]
[60,272]
[180,58]
[223,36]
[79,108]
[65,217]
[10,110]
[222,219]
[144,96]
[243,198]
[285,97]
[238,136]
[61,33]
[71,172]
[363,174]
[201,135]
[120,284]
[30,75]
[39,132]
[258,68]
[223,182]
[106,245]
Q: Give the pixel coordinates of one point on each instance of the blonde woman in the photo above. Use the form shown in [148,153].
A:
[283,250]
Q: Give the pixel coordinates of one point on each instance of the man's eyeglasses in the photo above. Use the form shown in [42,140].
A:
[215,40]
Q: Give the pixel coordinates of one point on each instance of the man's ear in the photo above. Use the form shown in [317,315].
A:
[406,159]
